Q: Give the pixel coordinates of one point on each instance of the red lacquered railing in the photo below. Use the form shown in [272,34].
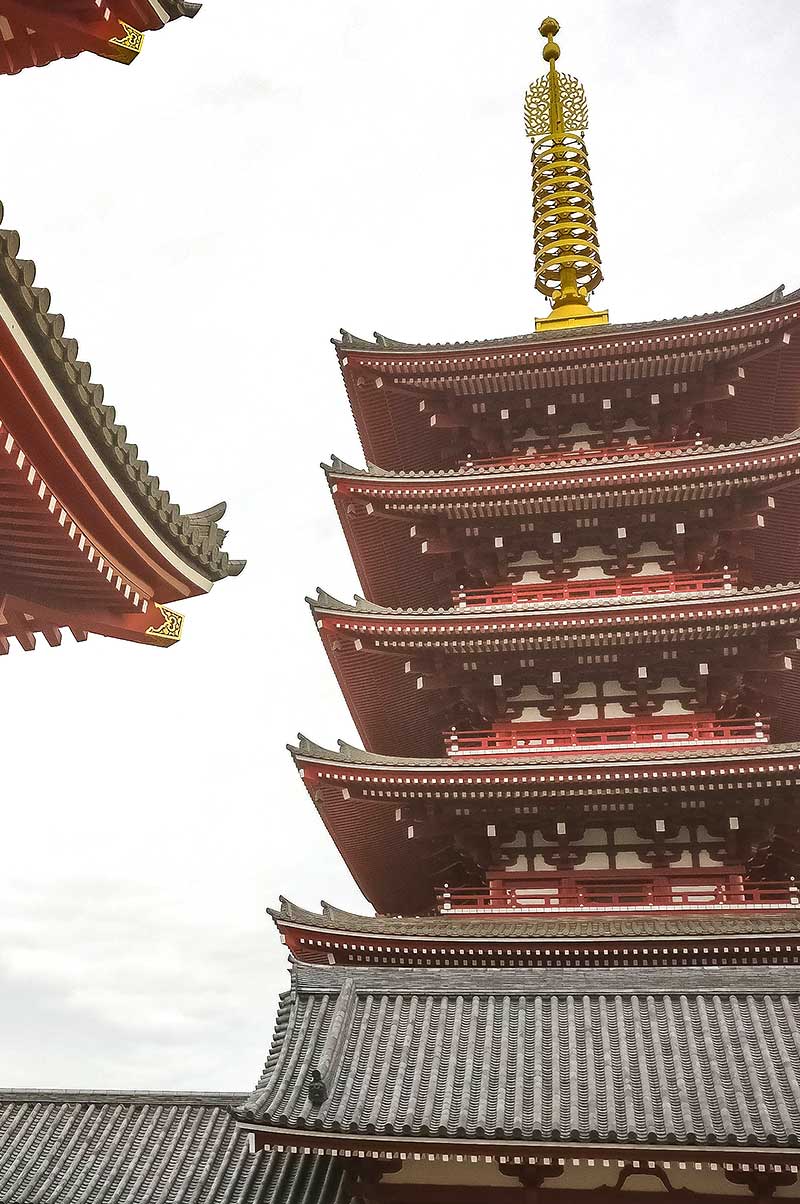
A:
[604,735]
[605,452]
[600,587]
[542,896]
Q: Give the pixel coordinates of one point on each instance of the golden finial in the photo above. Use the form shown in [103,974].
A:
[566,248]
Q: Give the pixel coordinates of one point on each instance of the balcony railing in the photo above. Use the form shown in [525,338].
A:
[511,593]
[540,895]
[673,731]
[555,456]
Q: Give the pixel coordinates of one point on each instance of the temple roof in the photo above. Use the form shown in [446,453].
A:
[572,470]
[458,617]
[638,1056]
[589,927]
[350,754]
[381,342]
[147,1148]
[196,537]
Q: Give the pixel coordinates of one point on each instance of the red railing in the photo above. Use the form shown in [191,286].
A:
[605,735]
[551,456]
[541,894]
[601,587]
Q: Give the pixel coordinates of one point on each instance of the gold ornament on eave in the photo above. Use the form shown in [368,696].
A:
[566,247]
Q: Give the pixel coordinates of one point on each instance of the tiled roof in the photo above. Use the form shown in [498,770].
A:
[589,927]
[548,464]
[72,1147]
[351,755]
[362,606]
[638,1055]
[196,537]
[381,342]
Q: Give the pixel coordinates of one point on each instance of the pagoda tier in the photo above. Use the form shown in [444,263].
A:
[89,539]
[675,828]
[375,1062]
[703,937]
[426,406]
[37,32]
[428,539]
[572,675]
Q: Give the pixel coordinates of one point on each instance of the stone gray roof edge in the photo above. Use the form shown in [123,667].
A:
[196,537]
[588,928]
[77,1095]
[546,467]
[312,978]
[351,755]
[327,602]
[772,300]
[180,8]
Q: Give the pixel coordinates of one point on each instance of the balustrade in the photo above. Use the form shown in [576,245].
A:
[556,456]
[513,593]
[517,739]
[545,894]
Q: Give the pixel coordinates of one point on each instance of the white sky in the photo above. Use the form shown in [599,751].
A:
[207,219]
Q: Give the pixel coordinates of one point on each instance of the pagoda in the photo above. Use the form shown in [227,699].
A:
[574,671]
[575,675]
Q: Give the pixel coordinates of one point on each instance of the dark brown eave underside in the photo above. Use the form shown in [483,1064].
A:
[196,538]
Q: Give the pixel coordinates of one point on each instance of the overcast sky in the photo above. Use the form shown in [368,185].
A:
[206,219]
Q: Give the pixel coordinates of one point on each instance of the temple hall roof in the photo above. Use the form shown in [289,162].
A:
[196,537]
[147,1148]
[639,1056]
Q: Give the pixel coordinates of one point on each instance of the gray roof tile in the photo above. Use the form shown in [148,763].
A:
[702,1056]
[672,925]
[72,1147]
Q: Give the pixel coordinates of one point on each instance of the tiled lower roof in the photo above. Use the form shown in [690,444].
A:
[696,1056]
[711,923]
[72,1147]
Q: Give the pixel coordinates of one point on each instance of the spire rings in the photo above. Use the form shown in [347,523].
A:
[563,214]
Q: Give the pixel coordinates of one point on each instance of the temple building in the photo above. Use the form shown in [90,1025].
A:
[34,33]
[576,677]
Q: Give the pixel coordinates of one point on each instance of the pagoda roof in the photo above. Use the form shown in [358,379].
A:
[195,537]
[527,927]
[555,472]
[414,404]
[362,798]
[146,1147]
[380,342]
[351,755]
[486,1061]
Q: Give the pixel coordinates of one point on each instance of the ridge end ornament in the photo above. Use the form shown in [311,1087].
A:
[566,246]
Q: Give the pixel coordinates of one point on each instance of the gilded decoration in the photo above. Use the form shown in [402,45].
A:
[171,629]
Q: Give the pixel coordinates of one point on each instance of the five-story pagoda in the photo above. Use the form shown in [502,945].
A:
[574,676]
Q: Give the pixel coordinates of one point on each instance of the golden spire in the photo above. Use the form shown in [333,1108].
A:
[565,231]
